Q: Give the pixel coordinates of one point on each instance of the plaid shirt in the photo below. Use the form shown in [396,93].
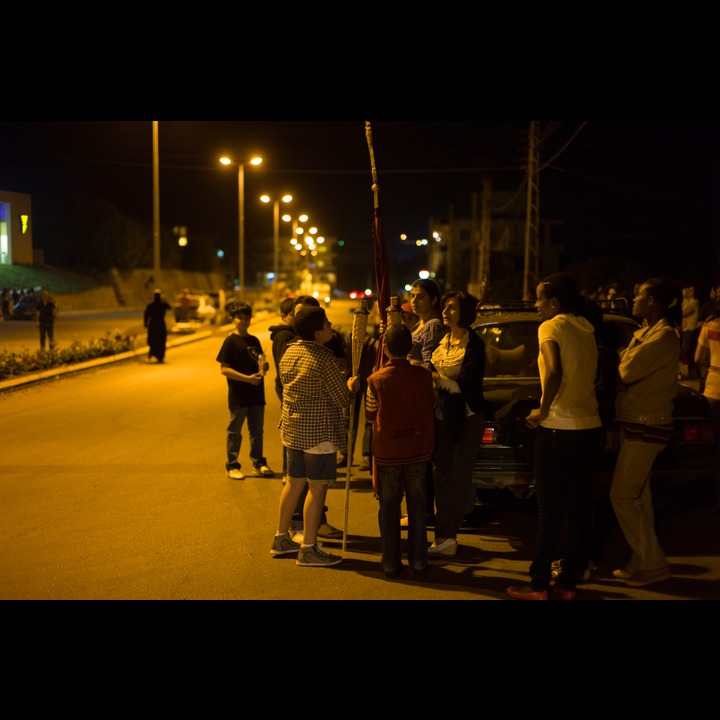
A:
[314,396]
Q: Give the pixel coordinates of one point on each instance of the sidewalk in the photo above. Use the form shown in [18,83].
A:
[15,382]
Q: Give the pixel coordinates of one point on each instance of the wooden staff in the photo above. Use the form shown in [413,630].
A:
[359,330]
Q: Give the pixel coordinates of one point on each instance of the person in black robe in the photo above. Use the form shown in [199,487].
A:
[157,330]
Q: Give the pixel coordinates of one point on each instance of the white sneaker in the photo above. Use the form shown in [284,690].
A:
[235,474]
[447,547]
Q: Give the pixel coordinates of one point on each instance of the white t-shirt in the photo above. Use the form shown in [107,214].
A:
[575,406]
[710,338]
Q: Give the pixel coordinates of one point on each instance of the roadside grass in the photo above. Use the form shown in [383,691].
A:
[54,280]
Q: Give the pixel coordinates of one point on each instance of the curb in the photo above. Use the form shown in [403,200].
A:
[95,362]
[23,380]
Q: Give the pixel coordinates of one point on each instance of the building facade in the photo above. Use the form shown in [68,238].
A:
[16,243]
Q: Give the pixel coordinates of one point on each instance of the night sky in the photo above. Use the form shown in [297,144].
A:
[644,191]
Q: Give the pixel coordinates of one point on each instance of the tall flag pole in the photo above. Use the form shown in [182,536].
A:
[382,279]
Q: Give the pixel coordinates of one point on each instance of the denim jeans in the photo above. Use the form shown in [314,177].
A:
[564,462]
[255,415]
[392,482]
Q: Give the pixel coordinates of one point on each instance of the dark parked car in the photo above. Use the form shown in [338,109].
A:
[512,383]
[24,308]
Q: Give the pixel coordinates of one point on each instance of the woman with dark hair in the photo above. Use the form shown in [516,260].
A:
[569,438]
[647,385]
[425,300]
[458,371]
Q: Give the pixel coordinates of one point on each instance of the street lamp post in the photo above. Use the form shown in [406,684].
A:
[241,215]
[276,236]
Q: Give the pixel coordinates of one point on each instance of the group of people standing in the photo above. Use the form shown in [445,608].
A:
[570,436]
[426,409]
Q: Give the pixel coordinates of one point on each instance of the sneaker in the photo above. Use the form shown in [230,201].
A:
[364,465]
[283,545]
[264,471]
[526,593]
[562,593]
[235,474]
[328,532]
[316,557]
[448,546]
[556,570]
[624,573]
[649,577]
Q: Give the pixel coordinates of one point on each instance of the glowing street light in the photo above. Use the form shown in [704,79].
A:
[241,214]
[276,235]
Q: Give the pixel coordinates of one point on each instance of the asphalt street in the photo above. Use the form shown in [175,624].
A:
[114,489]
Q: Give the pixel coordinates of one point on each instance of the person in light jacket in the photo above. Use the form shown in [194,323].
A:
[647,386]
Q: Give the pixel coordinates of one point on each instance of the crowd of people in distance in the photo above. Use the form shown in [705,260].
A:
[9,297]
[423,418]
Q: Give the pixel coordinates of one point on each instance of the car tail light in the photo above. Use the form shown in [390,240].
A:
[691,433]
[488,436]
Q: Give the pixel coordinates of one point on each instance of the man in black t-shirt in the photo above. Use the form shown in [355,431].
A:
[242,363]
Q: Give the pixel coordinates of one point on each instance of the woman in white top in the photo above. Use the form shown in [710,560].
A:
[569,439]
[459,370]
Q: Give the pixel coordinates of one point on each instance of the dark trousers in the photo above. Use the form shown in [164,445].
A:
[452,465]
[47,330]
[392,482]
[564,462]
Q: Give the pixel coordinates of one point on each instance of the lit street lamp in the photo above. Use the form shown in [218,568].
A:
[276,236]
[241,215]
[307,247]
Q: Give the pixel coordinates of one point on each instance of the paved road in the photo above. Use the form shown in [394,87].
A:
[113,487]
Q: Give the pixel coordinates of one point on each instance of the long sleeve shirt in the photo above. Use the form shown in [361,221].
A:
[648,376]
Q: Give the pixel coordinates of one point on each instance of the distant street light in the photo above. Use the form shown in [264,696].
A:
[241,215]
[296,244]
[276,236]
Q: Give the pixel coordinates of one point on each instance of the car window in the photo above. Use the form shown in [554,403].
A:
[510,348]
[616,334]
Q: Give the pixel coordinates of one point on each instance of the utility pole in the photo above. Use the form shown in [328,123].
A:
[156,205]
[450,251]
[484,254]
[531,275]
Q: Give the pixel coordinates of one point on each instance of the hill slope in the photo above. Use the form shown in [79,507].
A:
[56,281]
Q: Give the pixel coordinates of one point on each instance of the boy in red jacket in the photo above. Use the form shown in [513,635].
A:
[400,403]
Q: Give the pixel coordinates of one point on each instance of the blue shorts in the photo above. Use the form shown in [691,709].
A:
[311,467]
